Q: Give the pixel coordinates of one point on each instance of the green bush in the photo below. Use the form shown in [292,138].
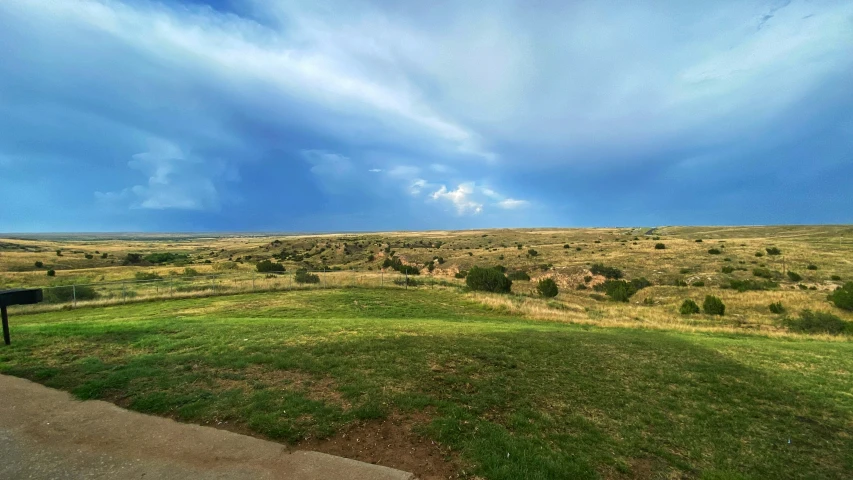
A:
[777,308]
[759,254]
[39,264]
[104,255]
[835,278]
[397,264]
[67,293]
[269,266]
[763,273]
[488,280]
[689,307]
[581,286]
[190,272]
[620,290]
[302,276]
[532,252]
[461,274]
[728,269]
[660,246]
[747,285]
[842,297]
[59,253]
[812,267]
[714,251]
[698,240]
[51,273]
[607,272]
[773,251]
[518,275]
[794,276]
[818,322]
[132,258]
[547,288]
[146,276]
[699,283]
[89,256]
[713,306]
[500,268]
[567,246]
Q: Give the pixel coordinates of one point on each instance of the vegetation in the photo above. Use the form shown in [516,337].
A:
[302,276]
[713,306]
[167,257]
[51,273]
[689,307]
[620,290]
[794,276]
[777,308]
[818,322]
[499,396]
[517,275]
[660,246]
[727,269]
[147,276]
[773,251]
[398,265]
[269,266]
[547,287]
[812,267]
[607,272]
[488,280]
[842,297]
[39,264]
[763,273]
[714,251]
[747,285]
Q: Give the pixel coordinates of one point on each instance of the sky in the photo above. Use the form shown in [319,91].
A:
[317,116]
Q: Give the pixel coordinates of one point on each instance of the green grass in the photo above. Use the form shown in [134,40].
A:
[514,398]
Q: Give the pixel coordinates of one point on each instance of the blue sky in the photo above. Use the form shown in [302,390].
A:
[250,115]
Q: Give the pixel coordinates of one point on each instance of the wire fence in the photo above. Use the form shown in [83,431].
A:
[186,286]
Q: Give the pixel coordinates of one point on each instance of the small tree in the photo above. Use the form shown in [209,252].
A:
[302,276]
[689,307]
[269,266]
[794,276]
[488,280]
[660,246]
[777,308]
[547,288]
[773,251]
[59,253]
[713,306]
[843,297]
[39,264]
[532,252]
[714,251]
[51,273]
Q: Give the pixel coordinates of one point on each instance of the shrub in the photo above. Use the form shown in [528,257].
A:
[532,252]
[620,290]
[777,308]
[269,266]
[842,297]
[39,264]
[794,276]
[812,267]
[190,272]
[835,278]
[104,255]
[607,272]
[51,273]
[684,271]
[762,272]
[461,274]
[488,280]
[581,286]
[225,266]
[698,240]
[567,246]
[773,251]
[68,293]
[371,258]
[397,264]
[500,268]
[713,306]
[700,283]
[759,254]
[818,322]
[133,258]
[146,276]
[587,278]
[89,256]
[714,251]
[578,249]
[660,246]
[746,285]
[302,276]
[689,307]
[59,253]
[547,288]
[728,269]
[802,287]
[518,275]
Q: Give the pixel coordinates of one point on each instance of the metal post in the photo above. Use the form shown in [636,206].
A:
[5,316]
[74,295]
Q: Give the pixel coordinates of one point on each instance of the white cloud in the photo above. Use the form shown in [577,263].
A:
[460,198]
[404,171]
[333,171]
[417,186]
[375,170]
[511,203]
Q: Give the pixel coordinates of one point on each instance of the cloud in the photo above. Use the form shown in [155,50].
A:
[417,186]
[512,204]
[333,171]
[375,170]
[460,198]
[176,181]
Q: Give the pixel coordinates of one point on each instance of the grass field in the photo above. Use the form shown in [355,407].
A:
[471,387]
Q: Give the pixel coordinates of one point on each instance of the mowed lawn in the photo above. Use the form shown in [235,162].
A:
[511,398]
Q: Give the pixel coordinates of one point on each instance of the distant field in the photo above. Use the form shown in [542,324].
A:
[435,382]
[821,257]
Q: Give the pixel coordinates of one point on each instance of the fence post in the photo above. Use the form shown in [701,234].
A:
[324,277]
[74,294]
[407,278]
[382,279]
[170,286]
[253,281]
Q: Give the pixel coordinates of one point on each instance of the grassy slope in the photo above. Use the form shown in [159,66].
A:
[516,398]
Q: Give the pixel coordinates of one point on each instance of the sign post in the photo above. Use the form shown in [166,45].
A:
[18,296]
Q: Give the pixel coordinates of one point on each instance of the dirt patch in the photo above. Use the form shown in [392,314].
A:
[392,442]
[316,388]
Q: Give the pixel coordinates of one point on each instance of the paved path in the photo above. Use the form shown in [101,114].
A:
[47,434]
